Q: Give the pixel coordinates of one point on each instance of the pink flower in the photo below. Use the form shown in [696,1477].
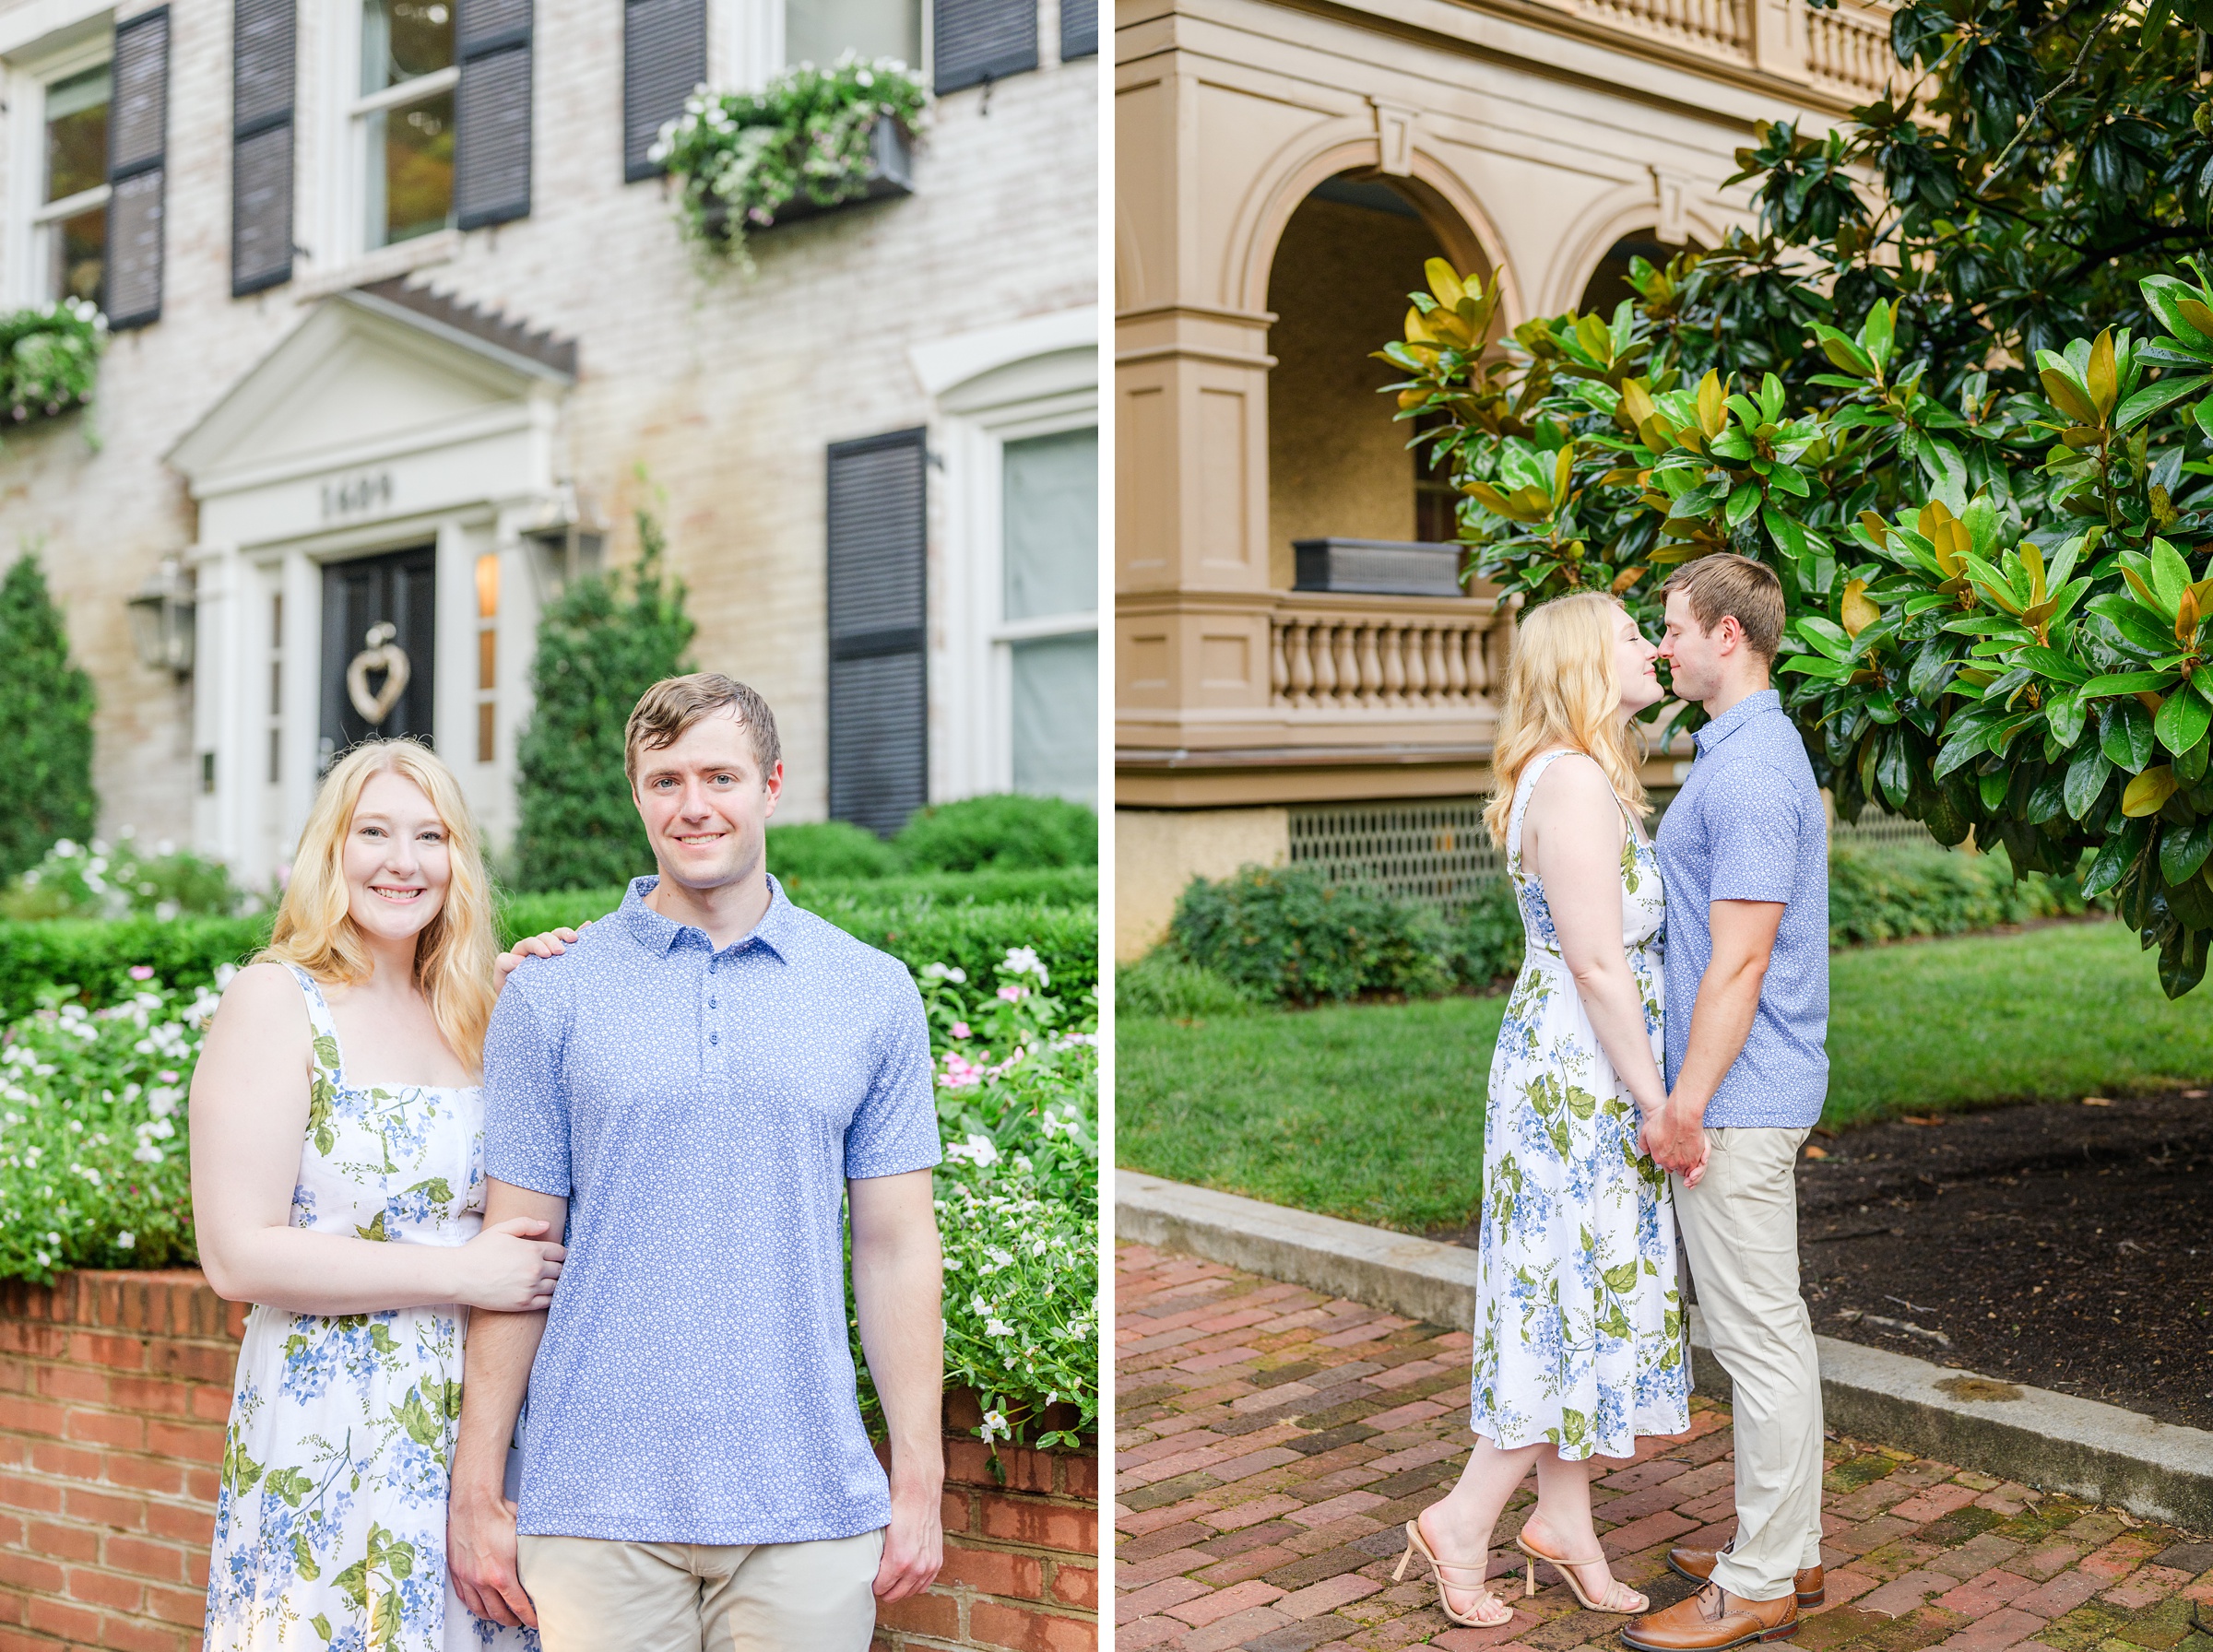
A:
[142,971]
[961,1030]
[1013,995]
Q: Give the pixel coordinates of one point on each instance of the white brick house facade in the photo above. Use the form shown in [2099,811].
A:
[264,439]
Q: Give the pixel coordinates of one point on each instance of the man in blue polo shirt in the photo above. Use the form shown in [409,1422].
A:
[696,1090]
[1744,853]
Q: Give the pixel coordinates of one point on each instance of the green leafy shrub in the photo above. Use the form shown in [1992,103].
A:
[602,642]
[93,959]
[1487,936]
[1003,831]
[1901,890]
[1162,982]
[817,850]
[45,725]
[49,357]
[97,879]
[1291,934]
[739,157]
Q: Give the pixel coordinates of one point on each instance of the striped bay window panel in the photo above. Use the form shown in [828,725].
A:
[879,683]
[1079,28]
[265,40]
[137,146]
[491,113]
[976,40]
[664,60]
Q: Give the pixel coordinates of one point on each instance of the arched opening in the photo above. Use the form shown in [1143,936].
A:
[1337,466]
[1609,283]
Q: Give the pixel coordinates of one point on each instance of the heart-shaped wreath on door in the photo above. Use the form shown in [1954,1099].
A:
[380,654]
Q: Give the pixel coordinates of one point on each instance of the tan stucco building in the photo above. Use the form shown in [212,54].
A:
[1282,173]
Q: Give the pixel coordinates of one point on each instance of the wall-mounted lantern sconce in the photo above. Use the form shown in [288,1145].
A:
[161,619]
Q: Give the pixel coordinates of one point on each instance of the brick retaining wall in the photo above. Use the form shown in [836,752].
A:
[114,1392]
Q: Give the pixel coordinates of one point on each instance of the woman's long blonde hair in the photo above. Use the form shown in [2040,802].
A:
[453,954]
[1560,691]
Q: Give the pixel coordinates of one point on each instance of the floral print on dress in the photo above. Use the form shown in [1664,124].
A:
[330,1521]
[1579,1334]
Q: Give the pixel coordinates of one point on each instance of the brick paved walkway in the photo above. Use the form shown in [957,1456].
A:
[1273,1443]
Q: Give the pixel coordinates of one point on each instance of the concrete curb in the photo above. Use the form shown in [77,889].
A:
[2053,1442]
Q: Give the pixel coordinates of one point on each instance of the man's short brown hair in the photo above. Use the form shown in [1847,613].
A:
[674,704]
[1727,586]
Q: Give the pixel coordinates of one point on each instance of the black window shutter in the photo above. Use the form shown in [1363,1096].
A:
[264,39]
[491,113]
[664,60]
[879,683]
[974,41]
[137,138]
[1079,28]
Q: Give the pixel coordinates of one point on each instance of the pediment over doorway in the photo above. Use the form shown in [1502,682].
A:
[386,404]
[373,375]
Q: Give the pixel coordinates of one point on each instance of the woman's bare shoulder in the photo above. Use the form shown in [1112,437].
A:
[1572,781]
[263,996]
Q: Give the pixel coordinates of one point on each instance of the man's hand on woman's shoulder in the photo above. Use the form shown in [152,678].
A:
[551,944]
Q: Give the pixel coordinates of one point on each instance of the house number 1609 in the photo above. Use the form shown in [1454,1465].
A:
[352,495]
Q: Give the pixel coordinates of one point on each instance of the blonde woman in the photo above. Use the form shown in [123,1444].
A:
[1579,1343]
[339,1187]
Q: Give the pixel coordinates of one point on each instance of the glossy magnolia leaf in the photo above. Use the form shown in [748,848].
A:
[2182,962]
[2064,714]
[1993,788]
[1893,770]
[2066,394]
[2183,850]
[2128,682]
[2101,379]
[2086,780]
[1824,634]
[2181,721]
[1742,503]
[2148,792]
[2114,858]
[2124,735]
[2166,294]
[1858,612]
[2153,397]
[2050,662]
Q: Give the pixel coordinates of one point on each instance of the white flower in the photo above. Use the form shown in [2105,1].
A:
[1024,961]
[997,1328]
[978,1151]
[126,1239]
[946,972]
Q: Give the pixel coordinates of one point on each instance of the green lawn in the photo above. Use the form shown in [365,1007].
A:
[1375,1112]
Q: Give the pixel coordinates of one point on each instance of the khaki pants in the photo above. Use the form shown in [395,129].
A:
[596,1595]
[1740,1230]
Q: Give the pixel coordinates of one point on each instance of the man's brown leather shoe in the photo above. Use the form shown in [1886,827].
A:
[1697,1565]
[1712,1620]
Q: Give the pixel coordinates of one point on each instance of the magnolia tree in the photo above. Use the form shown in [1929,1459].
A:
[1958,394]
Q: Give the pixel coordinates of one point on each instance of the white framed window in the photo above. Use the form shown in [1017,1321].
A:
[60,102]
[820,31]
[751,40]
[401,120]
[1046,643]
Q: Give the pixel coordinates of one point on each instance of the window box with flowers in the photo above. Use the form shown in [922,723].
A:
[813,141]
[49,355]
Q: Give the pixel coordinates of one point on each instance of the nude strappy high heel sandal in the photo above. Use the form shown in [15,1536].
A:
[1414,1545]
[1565,1568]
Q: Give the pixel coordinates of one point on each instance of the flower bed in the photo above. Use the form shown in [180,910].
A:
[93,1167]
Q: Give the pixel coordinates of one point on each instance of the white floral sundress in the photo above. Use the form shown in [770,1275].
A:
[1579,1323]
[330,1524]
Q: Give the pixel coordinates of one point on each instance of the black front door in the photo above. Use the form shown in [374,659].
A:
[379,623]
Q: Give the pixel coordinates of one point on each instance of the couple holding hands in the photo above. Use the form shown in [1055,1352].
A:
[1661,1063]
[614,1176]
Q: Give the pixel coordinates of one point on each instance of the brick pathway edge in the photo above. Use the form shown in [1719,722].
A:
[2053,1441]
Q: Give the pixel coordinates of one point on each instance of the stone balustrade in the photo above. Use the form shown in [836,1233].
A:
[1386,655]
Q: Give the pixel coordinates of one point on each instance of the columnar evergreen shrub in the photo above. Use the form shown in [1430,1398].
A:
[602,642]
[45,725]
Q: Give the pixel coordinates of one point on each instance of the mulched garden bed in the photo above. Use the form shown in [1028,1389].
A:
[2065,1246]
